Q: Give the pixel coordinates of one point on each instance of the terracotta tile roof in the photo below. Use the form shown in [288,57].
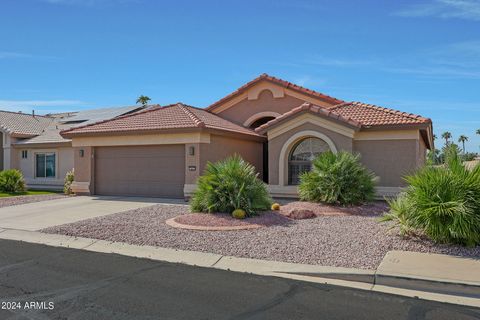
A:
[280,82]
[356,114]
[23,124]
[371,115]
[308,107]
[175,116]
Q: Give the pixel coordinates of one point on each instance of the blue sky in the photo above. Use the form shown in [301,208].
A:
[416,56]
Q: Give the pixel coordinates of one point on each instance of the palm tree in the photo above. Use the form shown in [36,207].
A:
[462,139]
[478,131]
[446,135]
[434,137]
[143,100]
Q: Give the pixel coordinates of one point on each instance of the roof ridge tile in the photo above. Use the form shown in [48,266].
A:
[198,123]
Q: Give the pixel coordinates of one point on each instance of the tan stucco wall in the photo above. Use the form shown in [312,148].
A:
[244,109]
[1,150]
[219,148]
[64,163]
[275,145]
[390,160]
[84,165]
[222,147]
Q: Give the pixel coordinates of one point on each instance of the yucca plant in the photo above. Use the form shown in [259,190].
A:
[337,178]
[228,185]
[443,202]
[12,181]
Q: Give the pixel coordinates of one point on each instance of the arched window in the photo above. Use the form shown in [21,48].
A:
[301,156]
[259,122]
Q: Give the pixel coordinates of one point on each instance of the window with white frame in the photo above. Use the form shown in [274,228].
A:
[301,157]
[45,165]
[24,154]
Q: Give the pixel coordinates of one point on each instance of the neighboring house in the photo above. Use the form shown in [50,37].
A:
[273,124]
[32,143]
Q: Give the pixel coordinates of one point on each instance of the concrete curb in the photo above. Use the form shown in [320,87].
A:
[436,273]
[346,277]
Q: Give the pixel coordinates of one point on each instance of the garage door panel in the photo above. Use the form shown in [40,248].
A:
[157,171]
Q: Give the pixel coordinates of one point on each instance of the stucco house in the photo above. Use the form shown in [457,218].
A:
[275,125]
[33,144]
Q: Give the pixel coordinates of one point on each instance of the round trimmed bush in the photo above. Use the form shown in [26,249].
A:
[337,178]
[12,181]
[239,214]
[275,206]
[228,185]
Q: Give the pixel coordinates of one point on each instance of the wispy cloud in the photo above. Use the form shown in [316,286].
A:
[450,61]
[446,9]
[28,105]
[88,3]
[21,55]
[337,62]
[7,55]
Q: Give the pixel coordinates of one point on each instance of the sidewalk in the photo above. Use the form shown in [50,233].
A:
[428,276]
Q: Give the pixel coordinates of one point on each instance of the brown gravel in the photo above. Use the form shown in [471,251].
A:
[357,241]
[371,209]
[17,200]
[226,220]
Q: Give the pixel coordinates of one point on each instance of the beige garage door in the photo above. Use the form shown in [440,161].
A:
[152,171]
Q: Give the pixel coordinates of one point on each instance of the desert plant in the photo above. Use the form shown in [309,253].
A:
[67,182]
[400,214]
[239,214]
[462,139]
[443,202]
[446,135]
[143,100]
[228,185]
[275,206]
[12,181]
[337,178]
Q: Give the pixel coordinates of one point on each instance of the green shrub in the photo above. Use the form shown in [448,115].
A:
[67,182]
[12,181]
[443,202]
[338,179]
[400,214]
[228,185]
[239,214]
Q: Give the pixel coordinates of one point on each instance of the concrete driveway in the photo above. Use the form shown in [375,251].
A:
[39,215]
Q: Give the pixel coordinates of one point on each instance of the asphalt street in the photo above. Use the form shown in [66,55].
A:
[41,282]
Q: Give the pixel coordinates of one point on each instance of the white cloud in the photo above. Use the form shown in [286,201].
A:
[43,106]
[7,54]
[337,62]
[446,9]
[87,2]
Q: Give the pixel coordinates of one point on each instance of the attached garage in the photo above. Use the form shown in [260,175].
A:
[149,171]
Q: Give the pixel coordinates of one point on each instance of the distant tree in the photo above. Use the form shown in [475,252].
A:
[446,135]
[143,100]
[434,137]
[478,131]
[462,139]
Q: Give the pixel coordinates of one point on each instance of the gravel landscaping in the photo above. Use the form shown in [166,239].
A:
[17,200]
[357,240]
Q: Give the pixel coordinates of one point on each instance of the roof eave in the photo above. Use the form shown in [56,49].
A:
[335,119]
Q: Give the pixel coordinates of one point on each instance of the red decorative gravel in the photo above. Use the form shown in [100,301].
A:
[356,240]
[17,200]
[370,209]
[226,220]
